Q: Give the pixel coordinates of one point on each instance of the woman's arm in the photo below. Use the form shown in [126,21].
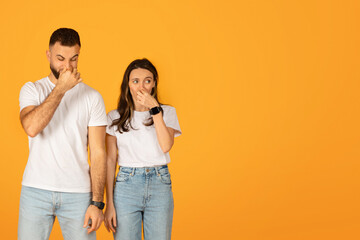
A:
[110,214]
[165,135]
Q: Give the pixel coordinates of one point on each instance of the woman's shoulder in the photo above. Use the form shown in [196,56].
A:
[167,108]
[168,111]
[113,114]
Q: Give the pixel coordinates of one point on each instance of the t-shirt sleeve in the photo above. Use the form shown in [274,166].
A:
[28,96]
[97,112]
[110,130]
[171,120]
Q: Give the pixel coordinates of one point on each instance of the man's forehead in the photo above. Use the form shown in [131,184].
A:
[58,48]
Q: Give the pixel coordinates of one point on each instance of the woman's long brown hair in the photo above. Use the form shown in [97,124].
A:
[126,104]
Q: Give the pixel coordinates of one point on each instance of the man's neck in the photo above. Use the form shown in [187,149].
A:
[52,78]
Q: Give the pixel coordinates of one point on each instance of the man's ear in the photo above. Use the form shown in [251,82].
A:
[48,55]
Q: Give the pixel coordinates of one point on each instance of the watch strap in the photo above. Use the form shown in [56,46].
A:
[155,110]
[99,205]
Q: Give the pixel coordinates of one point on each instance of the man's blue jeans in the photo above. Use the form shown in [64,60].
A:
[38,209]
[143,194]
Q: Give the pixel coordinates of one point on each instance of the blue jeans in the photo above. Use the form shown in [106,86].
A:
[38,209]
[143,195]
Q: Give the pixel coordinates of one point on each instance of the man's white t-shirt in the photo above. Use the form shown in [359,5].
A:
[140,147]
[58,156]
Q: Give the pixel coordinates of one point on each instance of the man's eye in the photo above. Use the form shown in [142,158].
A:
[73,60]
[60,59]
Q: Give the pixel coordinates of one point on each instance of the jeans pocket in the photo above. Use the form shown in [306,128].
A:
[165,179]
[122,177]
[165,176]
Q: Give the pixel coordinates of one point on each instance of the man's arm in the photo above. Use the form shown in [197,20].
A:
[35,118]
[98,175]
[98,161]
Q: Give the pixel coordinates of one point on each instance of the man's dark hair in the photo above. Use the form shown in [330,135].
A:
[66,36]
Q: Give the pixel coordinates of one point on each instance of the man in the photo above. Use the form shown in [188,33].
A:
[62,116]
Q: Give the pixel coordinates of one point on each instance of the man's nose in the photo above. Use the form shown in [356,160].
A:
[67,65]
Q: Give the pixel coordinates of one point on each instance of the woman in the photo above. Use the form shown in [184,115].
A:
[140,134]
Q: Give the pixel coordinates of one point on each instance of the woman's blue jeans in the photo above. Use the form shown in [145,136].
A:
[143,195]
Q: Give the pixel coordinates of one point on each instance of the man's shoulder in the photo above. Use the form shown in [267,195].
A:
[37,85]
[86,88]
[43,82]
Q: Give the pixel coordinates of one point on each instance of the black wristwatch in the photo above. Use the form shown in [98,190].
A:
[155,110]
[100,205]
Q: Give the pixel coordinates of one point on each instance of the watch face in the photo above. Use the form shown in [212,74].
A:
[100,205]
[155,110]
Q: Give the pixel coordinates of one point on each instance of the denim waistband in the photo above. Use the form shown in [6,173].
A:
[139,170]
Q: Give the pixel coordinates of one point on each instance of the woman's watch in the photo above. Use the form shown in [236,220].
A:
[100,205]
[155,110]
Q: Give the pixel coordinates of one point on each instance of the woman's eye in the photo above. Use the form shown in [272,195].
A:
[135,81]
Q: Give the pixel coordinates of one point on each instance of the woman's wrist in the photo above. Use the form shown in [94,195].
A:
[155,110]
[155,104]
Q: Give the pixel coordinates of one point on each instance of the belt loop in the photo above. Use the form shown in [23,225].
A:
[157,170]
[133,172]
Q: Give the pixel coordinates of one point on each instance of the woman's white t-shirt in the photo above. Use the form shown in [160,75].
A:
[140,147]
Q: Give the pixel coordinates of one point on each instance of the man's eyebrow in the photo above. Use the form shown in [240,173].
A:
[58,55]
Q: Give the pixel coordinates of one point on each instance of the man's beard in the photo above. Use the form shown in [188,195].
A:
[55,73]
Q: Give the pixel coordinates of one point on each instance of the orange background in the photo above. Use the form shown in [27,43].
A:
[267,95]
